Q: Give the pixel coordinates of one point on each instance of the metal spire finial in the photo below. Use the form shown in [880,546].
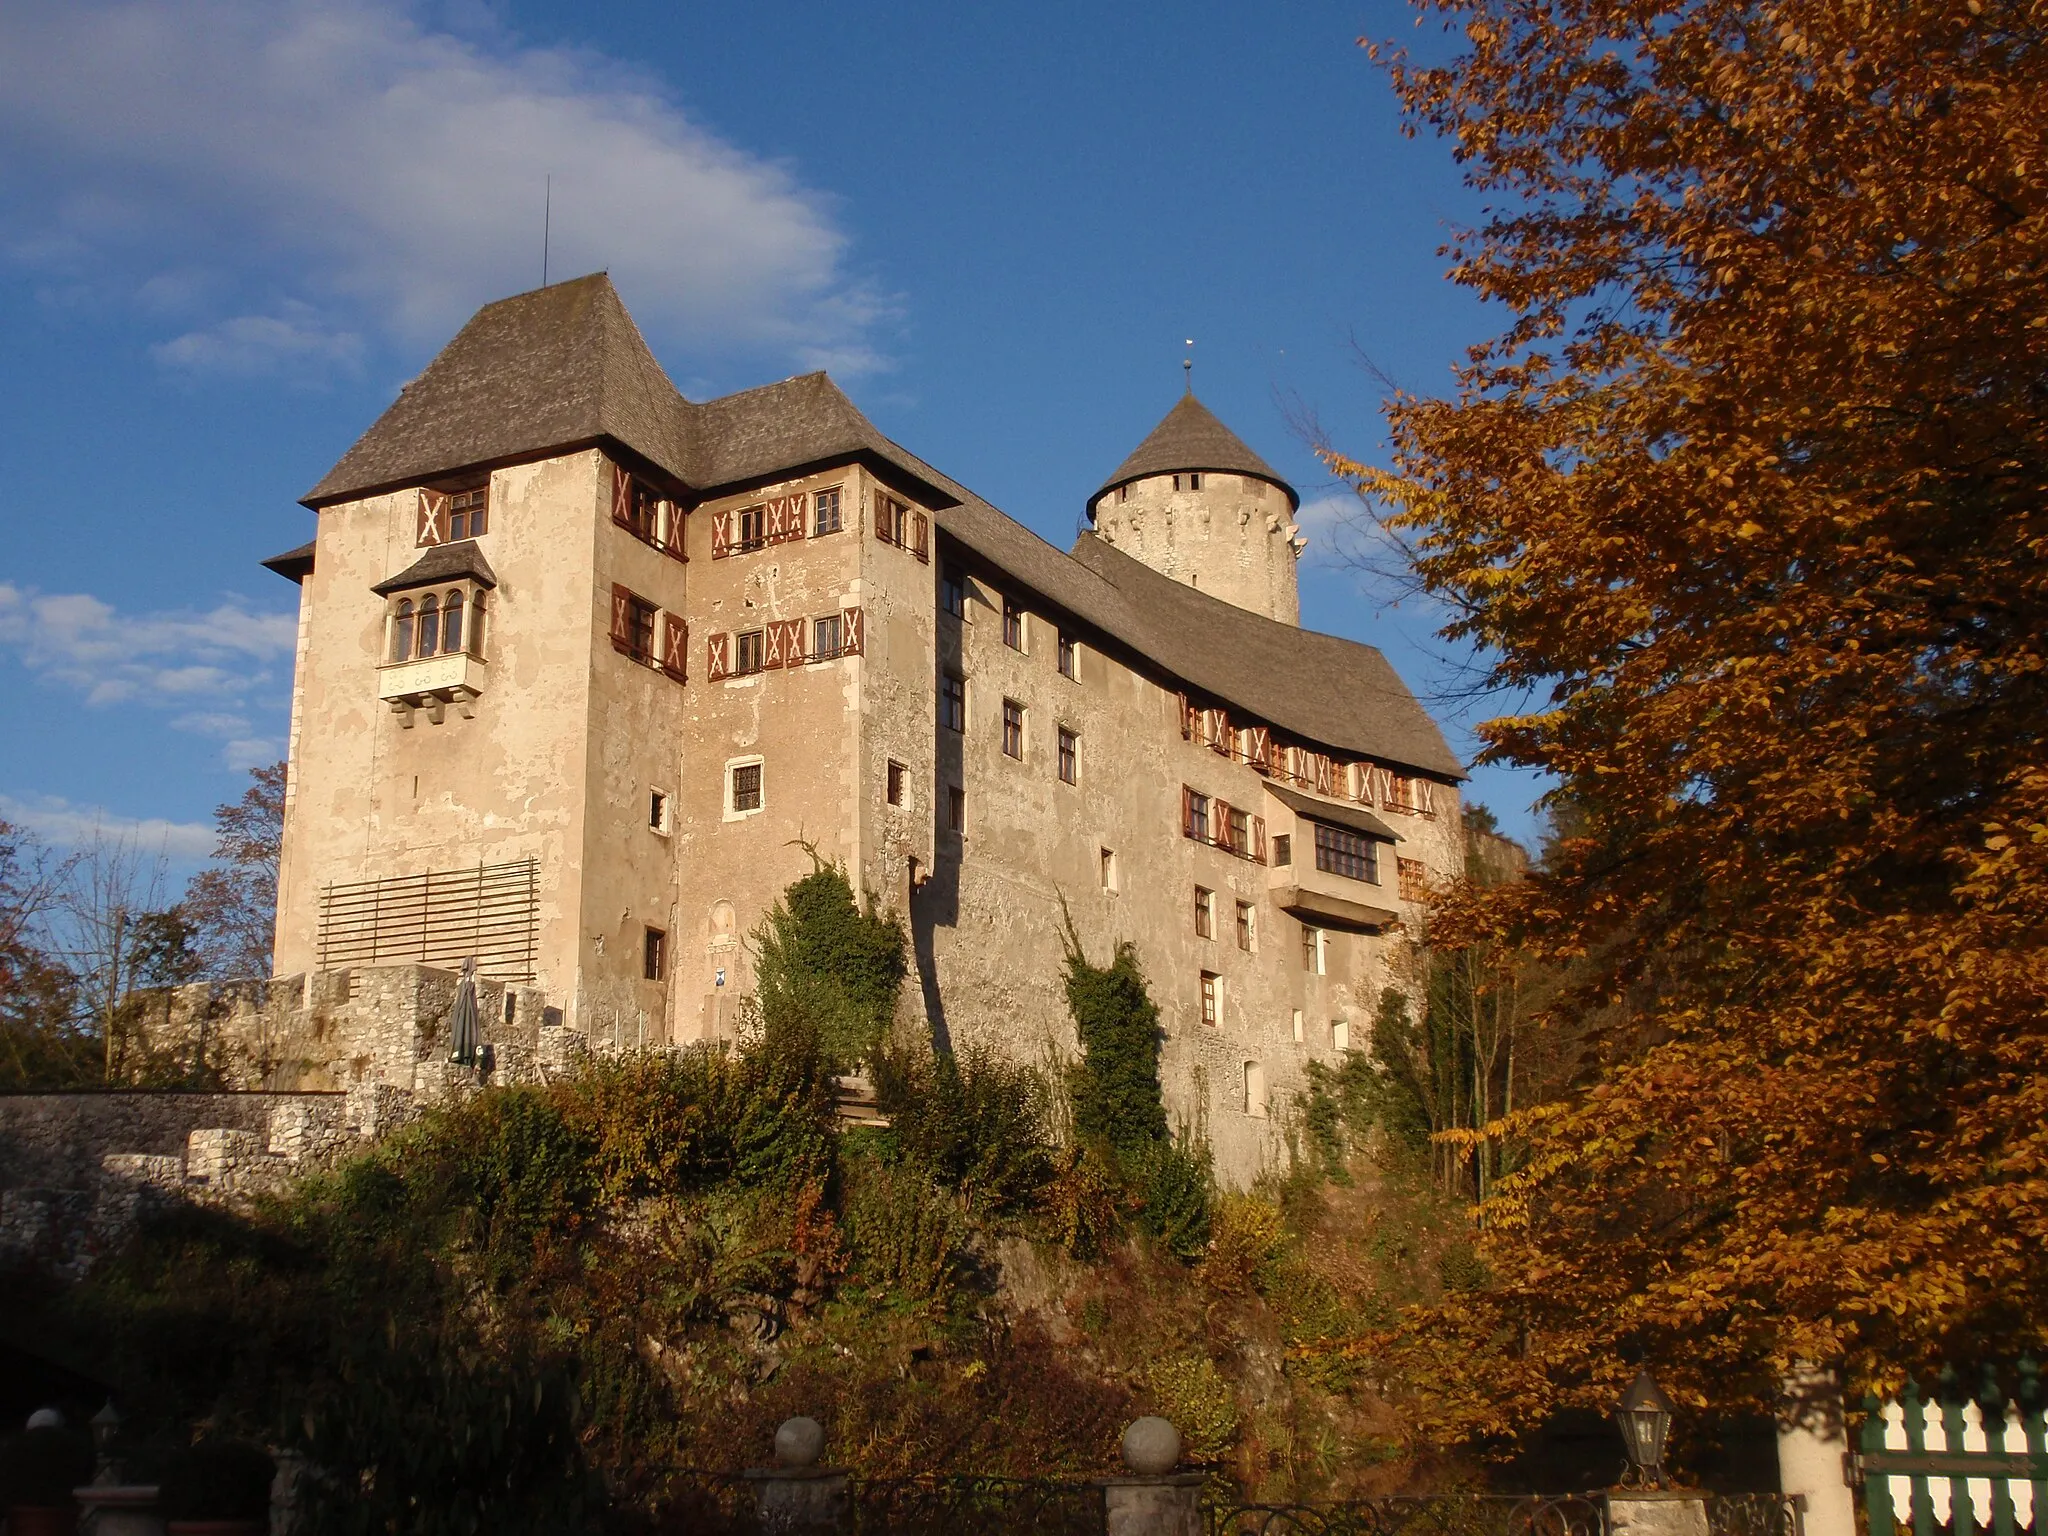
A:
[1187,366]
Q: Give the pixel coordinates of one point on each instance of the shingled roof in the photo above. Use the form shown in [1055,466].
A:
[565,366]
[1190,437]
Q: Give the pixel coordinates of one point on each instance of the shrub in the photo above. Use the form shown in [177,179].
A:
[1083,1204]
[905,1232]
[1246,1234]
[976,1120]
[217,1480]
[1115,1085]
[824,965]
[1193,1394]
[1175,1187]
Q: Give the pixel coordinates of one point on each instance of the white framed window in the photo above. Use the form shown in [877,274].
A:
[1340,1034]
[1300,1027]
[1109,877]
[746,789]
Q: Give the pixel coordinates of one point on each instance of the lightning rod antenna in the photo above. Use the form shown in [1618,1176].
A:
[547,218]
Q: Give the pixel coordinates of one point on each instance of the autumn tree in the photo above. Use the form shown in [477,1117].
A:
[232,905]
[1749,498]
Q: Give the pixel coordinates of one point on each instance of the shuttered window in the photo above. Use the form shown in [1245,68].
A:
[431,525]
[748,650]
[825,510]
[1414,879]
[825,638]
[469,513]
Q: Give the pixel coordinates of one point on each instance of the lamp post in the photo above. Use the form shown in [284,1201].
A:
[1644,1418]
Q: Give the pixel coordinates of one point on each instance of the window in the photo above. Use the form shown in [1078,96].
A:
[895,786]
[746,652]
[657,811]
[1239,833]
[1013,729]
[1205,912]
[956,808]
[1195,481]
[1067,656]
[643,513]
[1340,851]
[451,624]
[1244,926]
[1123,493]
[953,702]
[1254,1089]
[639,636]
[1195,823]
[953,593]
[1414,879]
[828,637]
[753,527]
[401,631]
[746,787]
[1070,756]
[892,520]
[654,955]
[427,637]
[1108,869]
[1176,482]
[1300,1027]
[1312,950]
[1404,793]
[469,513]
[825,510]
[1340,1034]
[1212,984]
[1283,849]
[1013,624]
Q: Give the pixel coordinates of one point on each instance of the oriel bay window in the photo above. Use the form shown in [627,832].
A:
[1340,851]
[434,629]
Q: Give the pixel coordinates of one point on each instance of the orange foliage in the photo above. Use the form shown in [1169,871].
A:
[1752,494]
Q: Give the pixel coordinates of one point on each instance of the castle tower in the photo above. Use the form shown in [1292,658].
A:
[1194,503]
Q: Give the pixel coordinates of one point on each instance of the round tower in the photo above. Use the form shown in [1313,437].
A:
[1194,503]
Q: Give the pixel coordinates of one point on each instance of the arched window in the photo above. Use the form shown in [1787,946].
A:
[401,632]
[451,624]
[430,626]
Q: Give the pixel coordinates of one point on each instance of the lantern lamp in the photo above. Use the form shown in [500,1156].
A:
[1645,1421]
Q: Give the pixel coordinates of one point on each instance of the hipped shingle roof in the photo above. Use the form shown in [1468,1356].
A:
[565,366]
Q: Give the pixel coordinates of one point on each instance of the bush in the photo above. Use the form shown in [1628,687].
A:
[905,1232]
[1115,1085]
[977,1121]
[826,966]
[1193,1394]
[40,1467]
[1084,1202]
[1175,1187]
[218,1480]
[1245,1239]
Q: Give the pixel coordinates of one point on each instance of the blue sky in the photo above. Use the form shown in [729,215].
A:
[230,229]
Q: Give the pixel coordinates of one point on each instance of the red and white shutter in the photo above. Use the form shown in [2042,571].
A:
[622,496]
[432,527]
[719,658]
[622,619]
[920,536]
[1261,747]
[1219,823]
[1383,787]
[1258,840]
[793,643]
[1187,811]
[1425,797]
[721,534]
[1326,774]
[675,647]
[849,632]
[1187,717]
[771,645]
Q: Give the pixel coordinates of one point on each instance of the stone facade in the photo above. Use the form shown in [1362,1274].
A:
[615,733]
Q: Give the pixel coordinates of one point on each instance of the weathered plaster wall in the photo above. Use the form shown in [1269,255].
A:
[1231,538]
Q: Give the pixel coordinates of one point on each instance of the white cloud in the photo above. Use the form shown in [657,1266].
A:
[65,825]
[349,165]
[206,664]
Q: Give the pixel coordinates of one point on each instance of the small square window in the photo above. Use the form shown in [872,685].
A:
[1068,667]
[953,593]
[825,509]
[1123,493]
[1070,756]
[1244,926]
[953,702]
[895,787]
[657,811]
[1340,1034]
[469,513]
[828,637]
[1195,481]
[1108,870]
[654,955]
[747,650]
[1013,729]
[1212,986]
[1300,1027]
[1205,912]
[746,787]
[956,808]
[1283,849]
[1013,624]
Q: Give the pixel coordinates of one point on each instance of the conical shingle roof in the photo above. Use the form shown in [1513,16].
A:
[1191,437]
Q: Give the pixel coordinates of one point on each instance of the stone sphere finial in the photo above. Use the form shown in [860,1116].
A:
[799,1443]
[45,1418]
[1151,1446]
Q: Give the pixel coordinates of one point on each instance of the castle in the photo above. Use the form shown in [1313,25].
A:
[583,666]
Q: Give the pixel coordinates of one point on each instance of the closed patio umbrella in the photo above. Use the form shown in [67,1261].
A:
[462,1023]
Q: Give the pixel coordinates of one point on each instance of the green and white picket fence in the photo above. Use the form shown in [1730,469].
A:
[1972,1458]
